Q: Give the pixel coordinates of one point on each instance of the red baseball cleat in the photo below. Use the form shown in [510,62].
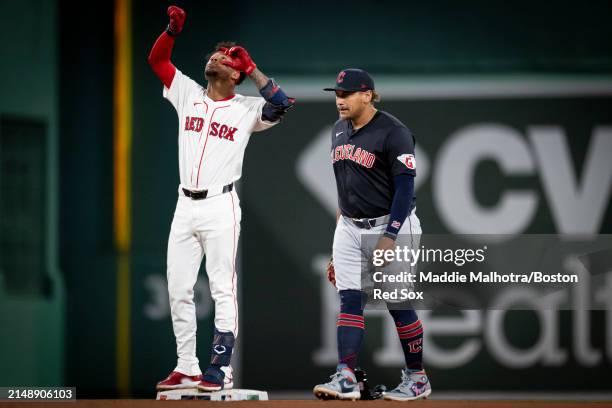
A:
[178,380]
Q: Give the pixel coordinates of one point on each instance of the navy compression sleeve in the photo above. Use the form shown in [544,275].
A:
[402,203]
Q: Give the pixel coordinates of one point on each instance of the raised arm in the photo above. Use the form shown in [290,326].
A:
[159,57]
[259,78]
[278,103]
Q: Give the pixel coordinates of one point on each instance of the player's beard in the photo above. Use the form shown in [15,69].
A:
[211,73]
[216,75]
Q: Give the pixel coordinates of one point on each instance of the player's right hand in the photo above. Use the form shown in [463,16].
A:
[177,20]
[331,272]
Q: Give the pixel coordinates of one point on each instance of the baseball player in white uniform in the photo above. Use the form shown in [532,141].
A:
[214,127]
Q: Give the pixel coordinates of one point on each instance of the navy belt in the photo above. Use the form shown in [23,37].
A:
[368,223]
[201,195]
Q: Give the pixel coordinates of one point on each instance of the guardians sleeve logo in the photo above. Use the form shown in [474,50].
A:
[407,160]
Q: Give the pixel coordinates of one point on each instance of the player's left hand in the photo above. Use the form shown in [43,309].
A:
[241,60]
[385,243]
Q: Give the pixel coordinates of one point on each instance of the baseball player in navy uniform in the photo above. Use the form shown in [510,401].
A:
[214,127]
[374,166]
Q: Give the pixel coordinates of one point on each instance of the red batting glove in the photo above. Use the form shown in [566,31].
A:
[241,60]
[177,20]
[331,273]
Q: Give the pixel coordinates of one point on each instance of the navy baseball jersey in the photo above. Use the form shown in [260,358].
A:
[365,162]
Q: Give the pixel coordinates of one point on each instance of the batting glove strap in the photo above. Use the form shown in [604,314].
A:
[170,33]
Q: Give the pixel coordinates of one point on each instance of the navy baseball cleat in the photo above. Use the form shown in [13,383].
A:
[343,385]
[415,385]
[176,381]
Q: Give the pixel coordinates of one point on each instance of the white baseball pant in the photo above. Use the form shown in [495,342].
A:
[210,226]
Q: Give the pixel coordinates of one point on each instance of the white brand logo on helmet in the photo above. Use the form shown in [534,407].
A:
[407,160]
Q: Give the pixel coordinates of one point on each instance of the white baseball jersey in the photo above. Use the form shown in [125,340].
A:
[212,134]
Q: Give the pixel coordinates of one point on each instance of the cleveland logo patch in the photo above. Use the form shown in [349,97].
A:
[359,156]
[407,160]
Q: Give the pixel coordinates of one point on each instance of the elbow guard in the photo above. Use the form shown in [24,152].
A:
[278,103]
